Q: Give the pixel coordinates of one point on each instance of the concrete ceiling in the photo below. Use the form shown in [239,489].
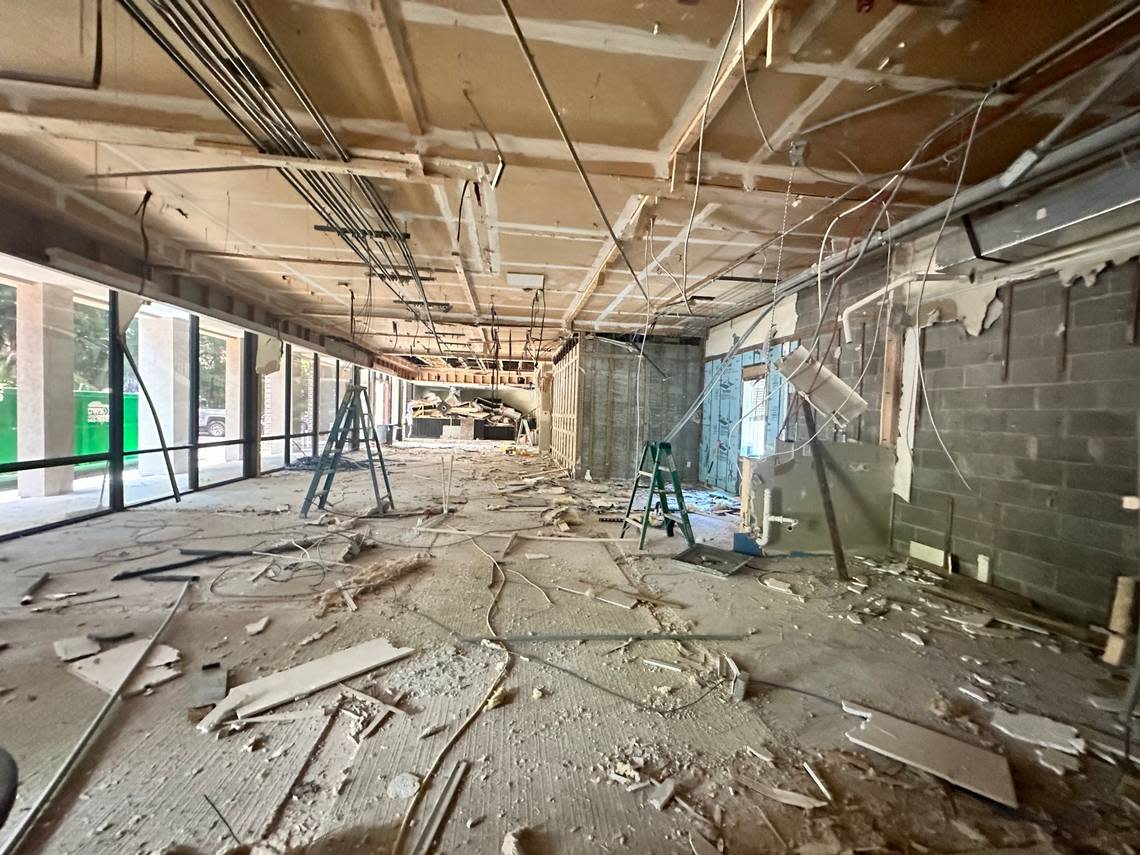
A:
[84,91]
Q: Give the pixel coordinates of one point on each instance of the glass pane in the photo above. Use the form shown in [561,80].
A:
[328,400]
[159,338]
[218,463]
[54,346]
[37,497]
[145,476]
[345,372]
[272,454]
[302,392]
[272,397]
[217,467]
[219,380]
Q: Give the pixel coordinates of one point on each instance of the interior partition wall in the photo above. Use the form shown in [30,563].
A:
[85,413]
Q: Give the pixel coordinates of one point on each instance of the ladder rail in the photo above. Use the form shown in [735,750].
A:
[661,455]
[353,416]
[370,430]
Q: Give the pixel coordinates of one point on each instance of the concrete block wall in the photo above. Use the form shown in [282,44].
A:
[1047,453]
[607,439]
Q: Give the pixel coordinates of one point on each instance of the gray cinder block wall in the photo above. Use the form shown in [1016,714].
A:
[608,444]
[1048,453]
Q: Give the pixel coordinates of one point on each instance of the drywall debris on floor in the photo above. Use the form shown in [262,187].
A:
[300,681]
[77,647]
[976,769]
[106,670]
[513,842]
[1039,730]
[403,786]
[257,627]
[662,794]
[1057,761]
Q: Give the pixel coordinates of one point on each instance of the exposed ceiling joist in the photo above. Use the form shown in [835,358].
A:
[714,88]
[387,34]
[624,227]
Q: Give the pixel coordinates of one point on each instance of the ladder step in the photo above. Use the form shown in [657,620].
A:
[677,518]
[634,521]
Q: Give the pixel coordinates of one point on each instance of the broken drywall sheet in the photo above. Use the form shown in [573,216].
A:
[859,476]
[975,769]
[269,351]
[1039,730]
[271,691]
[908,404]
[973,306]
[830,395]
[106,670]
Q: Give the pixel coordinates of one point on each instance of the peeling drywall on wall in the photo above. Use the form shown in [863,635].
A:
[908,404]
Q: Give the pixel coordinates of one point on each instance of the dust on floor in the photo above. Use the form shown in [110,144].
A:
[584,721]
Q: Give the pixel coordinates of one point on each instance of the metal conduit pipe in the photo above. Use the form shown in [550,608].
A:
[1118,133]
[283,68]
[207,40]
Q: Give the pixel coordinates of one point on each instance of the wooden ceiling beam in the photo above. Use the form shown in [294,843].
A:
[713,89]
[624,227]
[387,29]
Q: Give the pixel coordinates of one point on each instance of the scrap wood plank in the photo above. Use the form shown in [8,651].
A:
[300,681]
[975,769]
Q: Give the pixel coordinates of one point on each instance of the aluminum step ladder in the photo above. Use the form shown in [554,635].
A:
[656,462]
[355,411]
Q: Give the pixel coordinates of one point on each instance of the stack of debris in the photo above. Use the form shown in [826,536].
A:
[431,406]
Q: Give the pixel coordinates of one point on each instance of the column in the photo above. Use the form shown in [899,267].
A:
[45,386]
[164,362]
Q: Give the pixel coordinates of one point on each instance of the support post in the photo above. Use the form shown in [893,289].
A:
[825,492]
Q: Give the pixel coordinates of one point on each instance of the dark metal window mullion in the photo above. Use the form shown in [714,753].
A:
[315,421]
[249,407]
[288,403]
[195,399]
[116,400]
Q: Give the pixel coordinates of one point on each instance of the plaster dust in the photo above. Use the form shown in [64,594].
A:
[585,727]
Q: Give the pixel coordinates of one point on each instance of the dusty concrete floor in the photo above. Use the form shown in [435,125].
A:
[578,711]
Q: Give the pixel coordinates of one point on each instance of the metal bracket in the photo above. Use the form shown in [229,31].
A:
[796,151]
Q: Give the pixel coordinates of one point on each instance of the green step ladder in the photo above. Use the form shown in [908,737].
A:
[656,462]
[354,411]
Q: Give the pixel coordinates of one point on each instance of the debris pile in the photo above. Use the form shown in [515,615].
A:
[431,406]
[369,579]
